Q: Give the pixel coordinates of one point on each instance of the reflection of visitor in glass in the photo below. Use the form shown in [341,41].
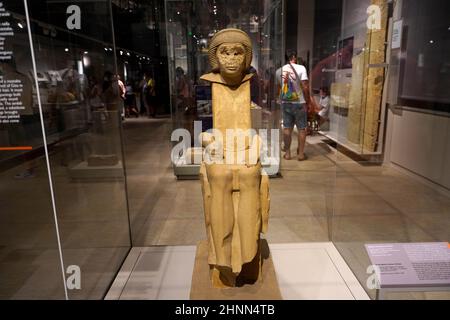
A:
[183,85]
[71,84]
[150,95]
[95,92]
[255,86]
[324,105]
[122,88]
[122,91]
[269,87]
[294,78]
[142,88]
[130,101]
[111,93]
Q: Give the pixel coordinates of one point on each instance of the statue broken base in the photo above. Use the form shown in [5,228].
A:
[244,287]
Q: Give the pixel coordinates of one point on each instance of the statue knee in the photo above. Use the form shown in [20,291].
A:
[219,176]
[250,178]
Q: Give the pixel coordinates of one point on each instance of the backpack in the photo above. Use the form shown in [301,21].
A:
[290,89]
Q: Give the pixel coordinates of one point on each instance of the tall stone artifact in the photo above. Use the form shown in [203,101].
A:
[365,103]
[235,191]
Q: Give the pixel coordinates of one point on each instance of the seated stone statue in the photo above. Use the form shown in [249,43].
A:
[235,192]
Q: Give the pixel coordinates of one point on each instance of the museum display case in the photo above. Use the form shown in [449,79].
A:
[188,37]
[404,197]
[64,206]
[86,188]
[355,73]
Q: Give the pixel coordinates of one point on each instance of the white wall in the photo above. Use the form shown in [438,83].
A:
[421,143]
[415,140]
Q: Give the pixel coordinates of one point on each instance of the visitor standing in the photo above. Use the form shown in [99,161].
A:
[295,99]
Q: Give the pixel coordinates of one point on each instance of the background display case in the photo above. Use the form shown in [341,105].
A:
[355,74]
[378,172]
[188,37]
[60,209]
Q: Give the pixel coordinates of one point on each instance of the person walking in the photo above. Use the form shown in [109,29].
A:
[295,100]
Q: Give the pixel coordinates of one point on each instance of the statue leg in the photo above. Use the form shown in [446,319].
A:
[222,220]
[206,192]
[249,224]
[249,213]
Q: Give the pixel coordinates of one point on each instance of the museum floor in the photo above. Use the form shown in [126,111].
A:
[330,197]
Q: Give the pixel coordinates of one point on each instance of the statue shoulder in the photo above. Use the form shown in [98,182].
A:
[216,78]
[211,77]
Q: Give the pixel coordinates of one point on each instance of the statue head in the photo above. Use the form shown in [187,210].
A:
[230,53]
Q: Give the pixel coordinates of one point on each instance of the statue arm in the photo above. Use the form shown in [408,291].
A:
[206,191]
[265,202]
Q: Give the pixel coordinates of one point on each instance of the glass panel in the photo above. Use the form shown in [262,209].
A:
[271,51]
[188,38]
[361,214]
[189,26]
[393,187]
[29,258]
[142,57]
[82,99]
[425,76]
[354,68]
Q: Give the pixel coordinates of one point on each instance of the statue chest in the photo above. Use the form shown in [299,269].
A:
[231,107]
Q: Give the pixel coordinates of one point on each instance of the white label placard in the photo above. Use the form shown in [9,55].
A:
[397,34]
[411,264]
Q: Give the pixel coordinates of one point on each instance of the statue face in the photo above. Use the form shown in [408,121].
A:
[231,58]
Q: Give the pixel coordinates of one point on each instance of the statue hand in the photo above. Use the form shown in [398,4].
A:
[206,139]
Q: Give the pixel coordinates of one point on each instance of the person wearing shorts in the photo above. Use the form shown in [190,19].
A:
[295,113]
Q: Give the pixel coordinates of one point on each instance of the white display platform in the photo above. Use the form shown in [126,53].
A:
[305,271]
[186,172]
[83,171]
[356,149]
